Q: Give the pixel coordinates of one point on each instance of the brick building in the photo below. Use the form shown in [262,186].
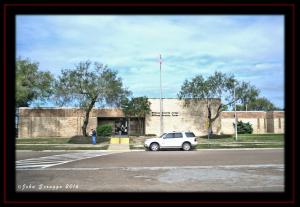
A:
[261,121]
[66,122]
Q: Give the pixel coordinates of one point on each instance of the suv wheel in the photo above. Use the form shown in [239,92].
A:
[154,147]
[186,146]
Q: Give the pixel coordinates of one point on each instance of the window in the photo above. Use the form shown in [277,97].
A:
[178,135]
[170,135]
[190,134]
[279,123]
[258,123]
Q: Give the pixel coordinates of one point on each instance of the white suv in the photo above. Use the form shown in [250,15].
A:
[182,140]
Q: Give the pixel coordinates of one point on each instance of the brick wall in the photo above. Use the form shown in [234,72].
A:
[66,122]
[177,117]
[58,122]
[261,121]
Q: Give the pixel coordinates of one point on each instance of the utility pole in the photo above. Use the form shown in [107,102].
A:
[235,122]
[161,106]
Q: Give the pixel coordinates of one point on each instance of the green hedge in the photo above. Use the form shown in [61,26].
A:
[104,130]
[244,128]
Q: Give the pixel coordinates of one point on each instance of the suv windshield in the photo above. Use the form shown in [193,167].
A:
[162,135]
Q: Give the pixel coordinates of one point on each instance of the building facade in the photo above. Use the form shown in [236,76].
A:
[67,122]
[178,117]
[261,121]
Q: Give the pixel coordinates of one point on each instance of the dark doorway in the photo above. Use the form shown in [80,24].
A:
[119,125]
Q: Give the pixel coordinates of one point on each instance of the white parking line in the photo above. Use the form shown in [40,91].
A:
[53,160]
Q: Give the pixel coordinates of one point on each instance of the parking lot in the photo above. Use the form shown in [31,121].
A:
[255,170]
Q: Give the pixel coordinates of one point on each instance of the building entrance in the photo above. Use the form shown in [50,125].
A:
[119,125]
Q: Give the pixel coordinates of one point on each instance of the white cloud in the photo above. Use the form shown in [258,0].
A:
[246,46]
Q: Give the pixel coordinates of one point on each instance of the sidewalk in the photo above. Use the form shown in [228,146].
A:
[119,144]
[119,147]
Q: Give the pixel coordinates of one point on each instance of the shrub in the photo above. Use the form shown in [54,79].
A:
[244,128]
[104,130]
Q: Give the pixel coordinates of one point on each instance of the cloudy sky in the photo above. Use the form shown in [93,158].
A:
[249,46]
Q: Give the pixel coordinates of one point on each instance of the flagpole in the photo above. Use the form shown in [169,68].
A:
[160,114]
[235,121]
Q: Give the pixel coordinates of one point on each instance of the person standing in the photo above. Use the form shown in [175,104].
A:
[94,136]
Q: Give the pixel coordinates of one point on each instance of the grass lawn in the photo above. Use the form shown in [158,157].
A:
[58,147]
[243,138]
[227,141]
[243,145]
[58,143]
[243,141]
[135,142]
[49,140]
[61,140]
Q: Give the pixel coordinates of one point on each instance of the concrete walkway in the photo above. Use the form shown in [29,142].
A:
[119,147]
[119,144]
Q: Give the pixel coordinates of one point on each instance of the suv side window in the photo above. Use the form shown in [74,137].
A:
[178,135]
[169,136]
[189,134]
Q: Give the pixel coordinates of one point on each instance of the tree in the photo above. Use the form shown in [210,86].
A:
[240,107]
[128,109]
[247,94]
[262,104]
[216,86]
[84,86]
[31,84]
[136,107]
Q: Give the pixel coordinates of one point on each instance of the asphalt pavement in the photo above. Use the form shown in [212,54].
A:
[255,170]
